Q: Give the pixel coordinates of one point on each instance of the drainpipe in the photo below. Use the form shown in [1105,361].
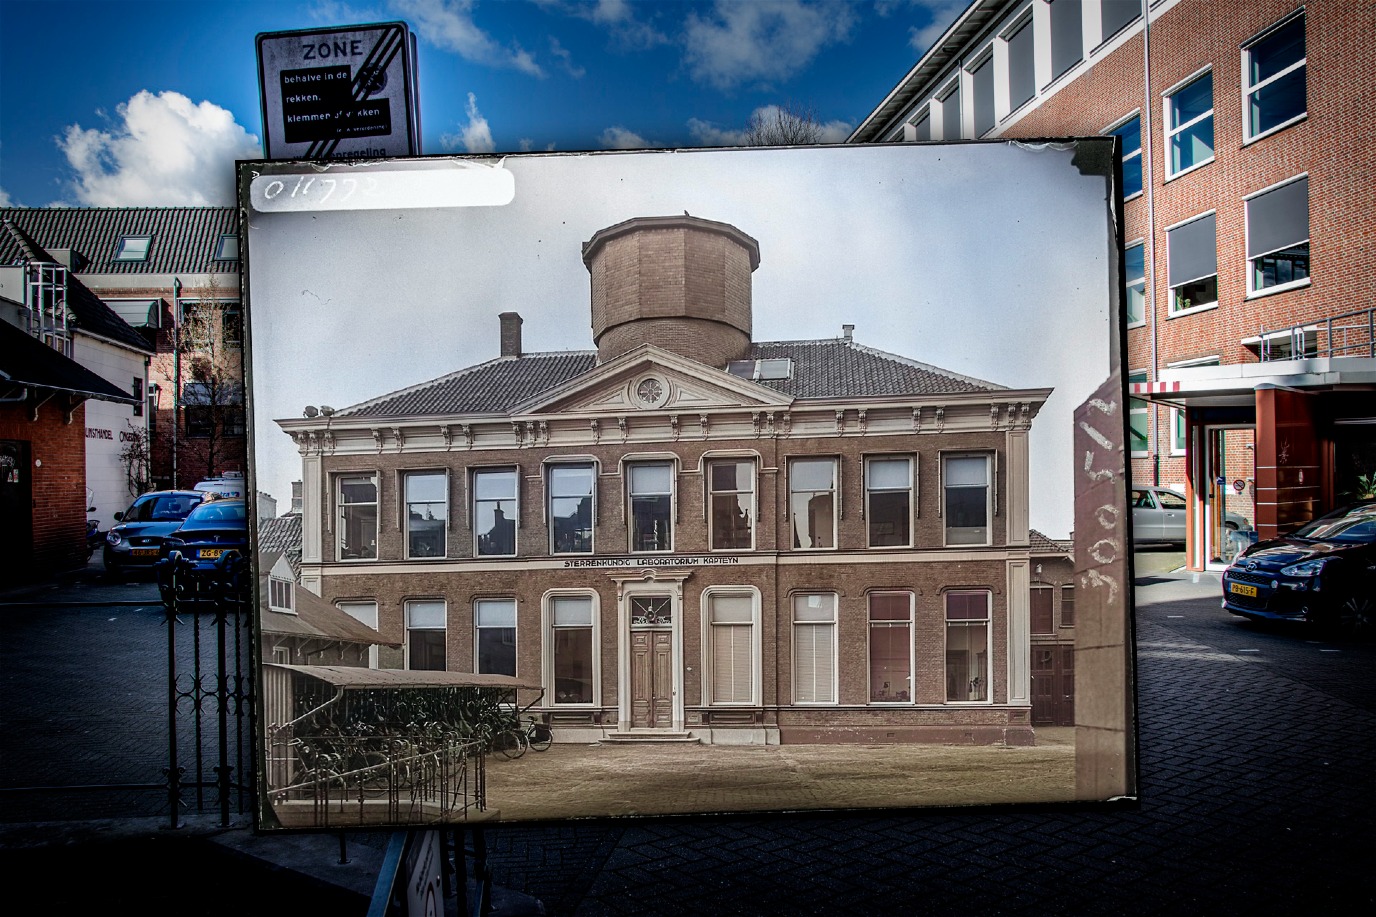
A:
[176,371]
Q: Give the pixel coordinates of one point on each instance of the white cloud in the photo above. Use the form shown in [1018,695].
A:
[758,42]
[618,17]
[330,12]
[708,134]
[5,200]
[448,24]
[942,13]
[159,150]
[474,136]
[565,58]
[619,138]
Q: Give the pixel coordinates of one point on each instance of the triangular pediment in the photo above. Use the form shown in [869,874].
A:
[651,379]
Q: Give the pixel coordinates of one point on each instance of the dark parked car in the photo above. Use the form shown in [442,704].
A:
[1323,573]
[212,535]
[136,542]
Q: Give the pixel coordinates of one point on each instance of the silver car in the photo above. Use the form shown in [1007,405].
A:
[1159,515]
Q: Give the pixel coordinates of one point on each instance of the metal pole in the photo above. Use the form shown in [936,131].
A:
[173,768]
[222,701]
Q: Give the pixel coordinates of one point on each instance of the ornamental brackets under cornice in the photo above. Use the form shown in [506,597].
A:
[377,438]
[447,435]
[400,438]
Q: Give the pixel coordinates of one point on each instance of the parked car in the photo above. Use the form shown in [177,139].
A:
[135,543]
[215,530]
[229,484]
[1159,515]
[1323,573]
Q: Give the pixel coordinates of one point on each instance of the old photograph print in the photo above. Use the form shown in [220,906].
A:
[679,482]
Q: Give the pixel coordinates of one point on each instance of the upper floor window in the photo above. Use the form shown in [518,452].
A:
[494,645]
[571,489]
[731,486]
[133,248]
[1135,283]
[652,506]
[1273,79]
[812,502]
[889,501]
[982,86]
[494,511]
[1190,125]
[1130,132]
[1067,606]
[227,248]
[1067,39]
[1022,71]
[921,125]
[357,522]
[1115,14]
[950,113]
[1278,237]
[965,480]
[281,595]
[427,513]
[1192,263]
[1041,610]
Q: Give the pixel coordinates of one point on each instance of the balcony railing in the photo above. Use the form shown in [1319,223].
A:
[1352,334]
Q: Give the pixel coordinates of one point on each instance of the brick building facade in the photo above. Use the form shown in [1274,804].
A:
[1247,224]
[688,534]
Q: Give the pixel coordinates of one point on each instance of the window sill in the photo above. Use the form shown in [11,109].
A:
[1137,324]
[1132,197]
[1278,288]
[889,547]
[1248,141]
[1192,310]
[1194,168]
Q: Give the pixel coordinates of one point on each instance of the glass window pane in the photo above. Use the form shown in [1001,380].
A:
[889,473]
[1041,611]
[983,80]
[730,609]
[731,524]
[1189,102]
[814,607]
[1114,14]
[804,475]
[962,606]
[890,606]
[1276,102]
[495,613]
[966,470]
[651,479]
[571,611]
[1067,40]
[358,490]
[731,475]
[1021,71]
[425,614]
[426,650]
[890,663]
[497,650]
[814,520]
[1193,145]
[950,116]
[494,485]
[571,489]
[967,662]
[571,480]
[573,669]
[1275,52]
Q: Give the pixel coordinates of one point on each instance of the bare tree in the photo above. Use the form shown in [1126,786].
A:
[783,125]
[210,348]
[135,455]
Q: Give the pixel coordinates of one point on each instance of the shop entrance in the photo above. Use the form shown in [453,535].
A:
[1230,488]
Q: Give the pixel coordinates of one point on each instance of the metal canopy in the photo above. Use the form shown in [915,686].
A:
[353,678]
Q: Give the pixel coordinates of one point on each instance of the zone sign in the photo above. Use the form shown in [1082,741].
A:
[344,93]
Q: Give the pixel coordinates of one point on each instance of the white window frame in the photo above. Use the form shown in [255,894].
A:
[629,495]
[549,627]
[1167,105]
[514,628]
[988,621]
[281,595]
[1067,589]
[222,245]
[1252,291]
[911,489]
[1129,282]
[988,498]
[1171,311]
[551,496]
[1135,115]
[910,126]
[340,480]
[127,251]
[406,620]
[473,502]
[708,490]
[1144,410]
[910,624]
[835,613]
[368,620]
[1178,429]
[406,475]
[835,499]
[709,644]
[1249,88]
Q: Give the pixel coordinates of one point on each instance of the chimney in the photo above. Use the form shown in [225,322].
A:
[511,334]
[847,331]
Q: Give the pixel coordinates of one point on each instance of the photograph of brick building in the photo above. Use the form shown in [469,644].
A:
[1247,208]
[695,532]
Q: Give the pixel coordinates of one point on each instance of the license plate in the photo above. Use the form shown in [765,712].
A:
[212,553]
[1241,589]
[144,552]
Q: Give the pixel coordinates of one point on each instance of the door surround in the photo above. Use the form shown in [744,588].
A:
[648,581]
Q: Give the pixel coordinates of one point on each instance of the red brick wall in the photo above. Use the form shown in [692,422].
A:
[57,463]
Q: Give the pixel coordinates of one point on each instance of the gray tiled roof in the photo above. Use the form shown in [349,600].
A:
[833,368]
[1041,544]
[282,535]
[184,238]
[87,311]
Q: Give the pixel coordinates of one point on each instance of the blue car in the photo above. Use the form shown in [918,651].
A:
[209,538]
[135,543]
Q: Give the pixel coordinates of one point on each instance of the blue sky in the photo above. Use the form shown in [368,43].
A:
[147,103]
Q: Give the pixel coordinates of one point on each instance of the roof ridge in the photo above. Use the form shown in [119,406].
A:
[926,366]
[439,380]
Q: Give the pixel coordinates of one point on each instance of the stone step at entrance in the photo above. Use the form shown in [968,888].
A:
[661,737]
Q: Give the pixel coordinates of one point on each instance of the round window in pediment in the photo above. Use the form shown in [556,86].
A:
[651,392]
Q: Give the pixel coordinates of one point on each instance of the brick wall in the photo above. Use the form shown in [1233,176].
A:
[57,465]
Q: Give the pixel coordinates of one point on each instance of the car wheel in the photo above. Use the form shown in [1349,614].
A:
[1356,616]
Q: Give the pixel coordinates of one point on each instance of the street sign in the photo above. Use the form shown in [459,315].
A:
[1239,485]
[342,93]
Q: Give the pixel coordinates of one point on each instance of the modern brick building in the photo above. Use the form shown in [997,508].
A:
[1247,180]
[687,533]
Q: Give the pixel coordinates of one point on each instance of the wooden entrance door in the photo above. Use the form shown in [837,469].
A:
[652,679]
[1053,684]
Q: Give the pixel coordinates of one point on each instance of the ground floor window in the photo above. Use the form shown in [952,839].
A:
[495,643]
[1041,610]
[571,645]
[891,647]
[967,646]
[425,632]
[814,648]
[730,617]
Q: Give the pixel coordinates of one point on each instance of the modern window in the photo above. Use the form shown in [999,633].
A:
[1273,79]
[967,647]
[922,125]
[1190,125]
[356,497]
[731,653]
[571,490]
[133,248]
[137,389]
[1278,237]
[950,113]
[233,419]
[1139,420]
[281,595]
[1179,438]
[889,501]
[652,506]
[982,87]
[814,648]
[227,247]
[232,321]
[891,647]
[762,370]
[1022,71]
[1067,606]
[494,644]
[571,643]
[812,502]
[425,643]
[494,511]
[1067,40]
[365,613]
[427,512]
[1115,14]
[1135,283]
[965,482]
[1041,610]
[1192,263]
[1130,132]
[731,486]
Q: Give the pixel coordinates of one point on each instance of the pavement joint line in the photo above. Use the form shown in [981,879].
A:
[1249,651]
[39,604]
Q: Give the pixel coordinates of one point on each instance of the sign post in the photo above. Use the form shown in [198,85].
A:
[343,93]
